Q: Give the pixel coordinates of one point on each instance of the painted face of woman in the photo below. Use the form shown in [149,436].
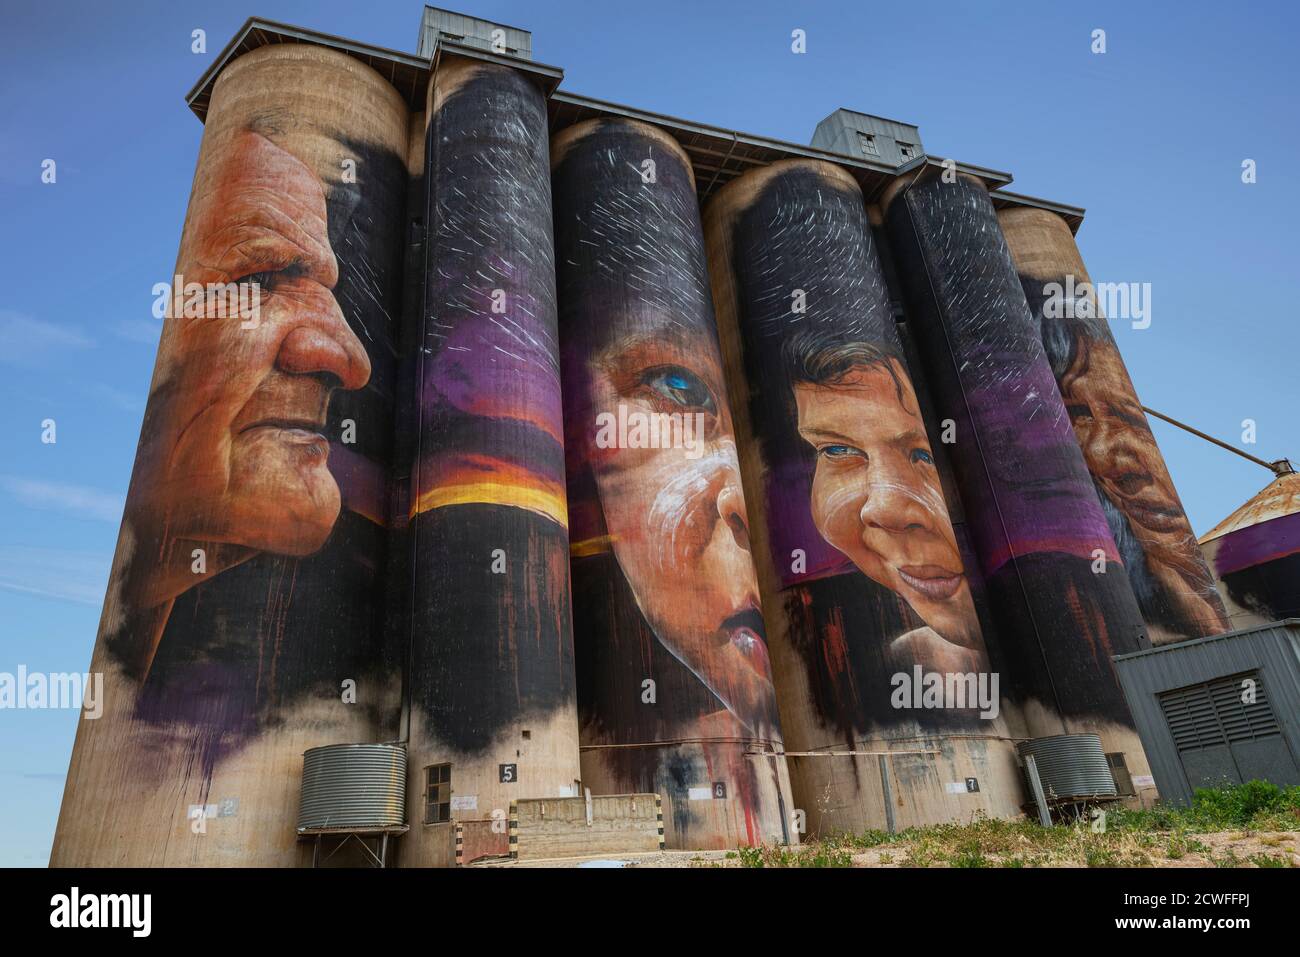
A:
[1119,447]
[676,515]
[876,494]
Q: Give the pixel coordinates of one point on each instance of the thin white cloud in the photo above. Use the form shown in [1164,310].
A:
[65,497]
[119,398]
[139,330]
[25,340]
[64,574]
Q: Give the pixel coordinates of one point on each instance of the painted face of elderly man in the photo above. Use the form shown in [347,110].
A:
[234,456]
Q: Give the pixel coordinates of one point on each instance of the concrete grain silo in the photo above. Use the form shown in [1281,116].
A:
[484,467]
[674,686]
[1174,588]
[866,584]
[491,681]
[1058,591]
[243,623]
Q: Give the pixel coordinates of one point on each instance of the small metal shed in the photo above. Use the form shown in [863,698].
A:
[1219,709]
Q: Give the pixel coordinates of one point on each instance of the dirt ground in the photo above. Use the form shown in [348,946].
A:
[1225,849]
[1128,849]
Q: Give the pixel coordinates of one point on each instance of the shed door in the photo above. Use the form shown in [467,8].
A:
[1225,731]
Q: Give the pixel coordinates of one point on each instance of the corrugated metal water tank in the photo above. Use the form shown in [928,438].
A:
[1070,765]
[353,786]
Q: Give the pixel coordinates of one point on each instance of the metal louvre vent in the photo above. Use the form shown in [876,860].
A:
[1213,714]
[1119,771]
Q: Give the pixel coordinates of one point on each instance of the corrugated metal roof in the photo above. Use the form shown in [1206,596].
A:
[1073,215]
[1284,623]
[1279,498]
[718,155]
[408,74]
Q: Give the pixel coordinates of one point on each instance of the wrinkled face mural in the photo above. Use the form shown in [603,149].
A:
[1119,447]
[255,524]
[247,588]
[1174,588]
[1131,475]
[235,461]
[245,464]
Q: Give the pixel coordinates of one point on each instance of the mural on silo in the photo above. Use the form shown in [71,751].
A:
[1055,577]
[244,595]
[492,678]
[1255,555]
[1174,588]
[870,577]
[675,686]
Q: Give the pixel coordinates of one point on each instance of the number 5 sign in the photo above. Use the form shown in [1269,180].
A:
[508,773]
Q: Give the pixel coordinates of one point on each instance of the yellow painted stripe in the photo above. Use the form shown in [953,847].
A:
[591,546]
[549,504]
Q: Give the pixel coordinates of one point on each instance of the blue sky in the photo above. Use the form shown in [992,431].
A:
[1149,137]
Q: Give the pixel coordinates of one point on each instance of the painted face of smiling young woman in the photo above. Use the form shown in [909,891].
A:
[676,517]
[876,494]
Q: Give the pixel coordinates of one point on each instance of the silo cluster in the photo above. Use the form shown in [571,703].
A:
[800,509]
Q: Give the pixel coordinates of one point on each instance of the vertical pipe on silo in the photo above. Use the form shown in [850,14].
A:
[243,622]
[1173,585]
[674,685]
[491,682]
[1061,599]
[864,574]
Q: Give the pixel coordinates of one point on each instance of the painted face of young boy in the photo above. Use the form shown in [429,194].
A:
[876,494]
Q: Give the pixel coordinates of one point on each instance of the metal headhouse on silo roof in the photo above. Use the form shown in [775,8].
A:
[352,786]
[1071,767]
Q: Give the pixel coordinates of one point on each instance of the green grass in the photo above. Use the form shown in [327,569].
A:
[1142,838]
[818,854]
[1255,805]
